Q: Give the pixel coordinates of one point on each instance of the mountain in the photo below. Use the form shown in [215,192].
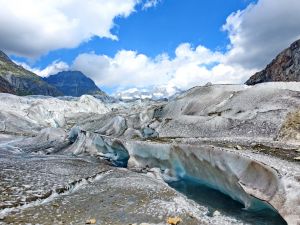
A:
[5,87]
[17,80]
[155,93]
[74,83]
[285,67]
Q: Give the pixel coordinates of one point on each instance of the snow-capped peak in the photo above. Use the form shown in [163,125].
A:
[153,93]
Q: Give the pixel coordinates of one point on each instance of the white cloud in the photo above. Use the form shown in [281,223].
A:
[127,69]
[258,33]
[190,67]
[150,4]
[33,27]
[53,68]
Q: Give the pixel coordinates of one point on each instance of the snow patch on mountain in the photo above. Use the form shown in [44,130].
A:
[153,93]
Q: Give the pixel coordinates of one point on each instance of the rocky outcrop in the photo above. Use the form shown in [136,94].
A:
[74,83]
[285,67]
[22,81]
[5,87]
[290,130]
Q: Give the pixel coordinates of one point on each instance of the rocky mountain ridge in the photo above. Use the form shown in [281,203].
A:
[285,67]
[17,80]
[74,83]
[6,87]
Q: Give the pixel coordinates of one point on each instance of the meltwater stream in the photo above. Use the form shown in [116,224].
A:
[216,200]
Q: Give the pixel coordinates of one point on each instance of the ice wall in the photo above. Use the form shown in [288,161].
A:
[246,180]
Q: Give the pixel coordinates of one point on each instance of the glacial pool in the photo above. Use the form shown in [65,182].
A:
[216,200]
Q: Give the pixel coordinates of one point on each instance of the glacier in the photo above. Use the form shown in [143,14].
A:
[242,141]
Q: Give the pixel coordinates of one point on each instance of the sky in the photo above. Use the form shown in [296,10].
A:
[123,44]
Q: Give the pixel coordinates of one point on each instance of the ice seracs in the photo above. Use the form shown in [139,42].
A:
[31,113]
[193,135]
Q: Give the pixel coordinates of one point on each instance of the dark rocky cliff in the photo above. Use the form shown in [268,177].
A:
[6,87]
[15,79]
[285,67]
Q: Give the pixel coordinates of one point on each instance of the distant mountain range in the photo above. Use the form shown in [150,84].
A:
[285,67]
[155,93]
[73,83]
[17,80]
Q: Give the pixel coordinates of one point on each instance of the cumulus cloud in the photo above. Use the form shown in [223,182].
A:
[190,67]
[53,68]
[127,69]
[150,3]
[258,33]
[32,27]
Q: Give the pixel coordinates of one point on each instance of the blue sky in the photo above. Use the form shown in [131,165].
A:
[120,44]
[159,29]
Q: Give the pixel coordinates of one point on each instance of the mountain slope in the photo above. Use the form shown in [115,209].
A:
[73,83]
[16,79]
[5,87]
[285,67]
